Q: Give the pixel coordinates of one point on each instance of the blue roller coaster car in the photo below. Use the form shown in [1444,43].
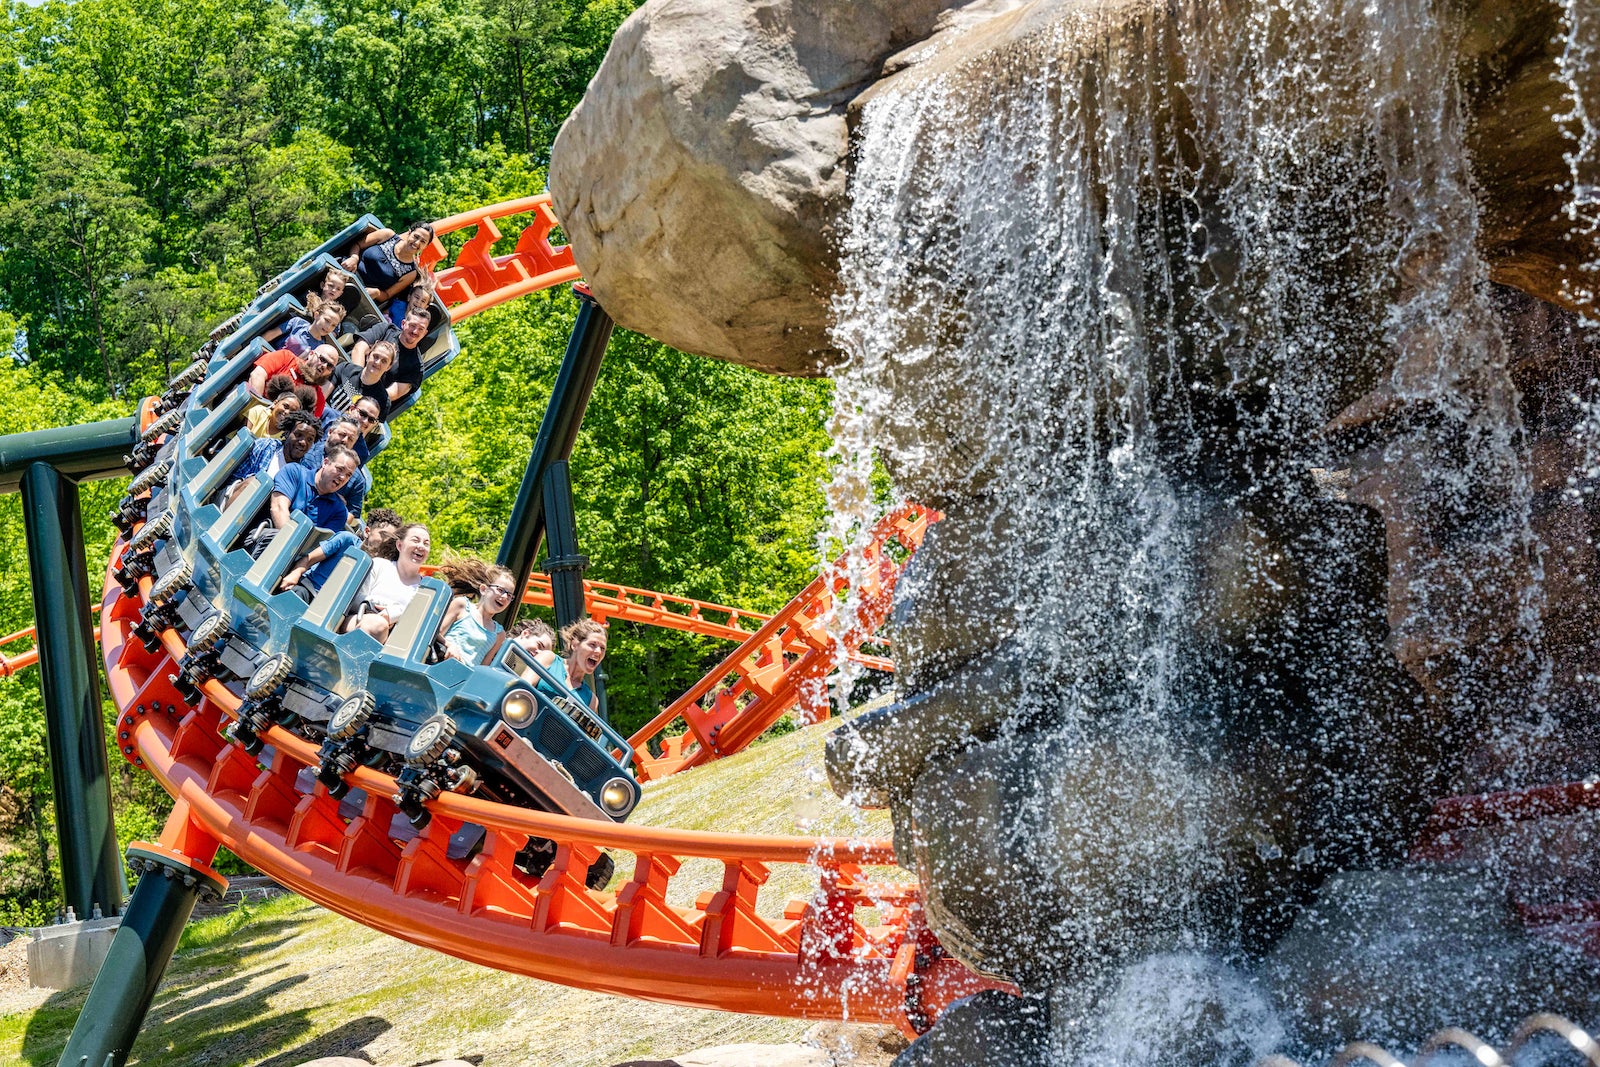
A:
[506,729]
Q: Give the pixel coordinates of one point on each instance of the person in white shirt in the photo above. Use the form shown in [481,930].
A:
[389,587]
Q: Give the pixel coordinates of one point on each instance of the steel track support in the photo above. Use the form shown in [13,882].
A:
[91,869]
[177,873]
[46,467]
[558,432]
[565,564]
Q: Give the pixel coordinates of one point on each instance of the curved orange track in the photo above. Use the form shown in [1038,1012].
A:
[858,948]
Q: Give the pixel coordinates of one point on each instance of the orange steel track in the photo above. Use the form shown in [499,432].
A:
[785,663]
[819,959]
[857,948]
[478,279]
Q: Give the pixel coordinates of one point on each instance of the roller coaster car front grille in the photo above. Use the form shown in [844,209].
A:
[586,764]
[554,734]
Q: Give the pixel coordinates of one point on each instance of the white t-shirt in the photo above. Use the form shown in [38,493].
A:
[387,591]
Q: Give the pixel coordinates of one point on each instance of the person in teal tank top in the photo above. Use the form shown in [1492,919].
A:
[469,628]
[584,642]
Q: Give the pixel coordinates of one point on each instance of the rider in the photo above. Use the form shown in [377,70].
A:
[585,643]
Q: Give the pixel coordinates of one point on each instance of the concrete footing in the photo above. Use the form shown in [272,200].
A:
[69,954]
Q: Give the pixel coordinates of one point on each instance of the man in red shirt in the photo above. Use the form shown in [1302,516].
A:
[313,368]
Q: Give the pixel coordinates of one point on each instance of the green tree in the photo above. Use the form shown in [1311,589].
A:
[168,315]
[82,228]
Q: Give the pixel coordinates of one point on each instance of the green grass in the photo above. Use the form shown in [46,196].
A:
[283,982]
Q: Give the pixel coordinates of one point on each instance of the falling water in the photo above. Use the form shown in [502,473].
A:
[1576,63]
[1109,292]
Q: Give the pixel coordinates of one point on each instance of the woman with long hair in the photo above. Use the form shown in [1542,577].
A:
[584,642]
[388,267]
[469,626]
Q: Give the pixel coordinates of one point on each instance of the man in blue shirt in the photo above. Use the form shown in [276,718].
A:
[314,493]
[345,432]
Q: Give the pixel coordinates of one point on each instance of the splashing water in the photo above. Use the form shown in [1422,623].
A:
[1109,291]
[1575,65]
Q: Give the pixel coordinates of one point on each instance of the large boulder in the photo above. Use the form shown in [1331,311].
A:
[700,178]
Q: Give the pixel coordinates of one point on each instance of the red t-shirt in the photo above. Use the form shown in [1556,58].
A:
[283,361]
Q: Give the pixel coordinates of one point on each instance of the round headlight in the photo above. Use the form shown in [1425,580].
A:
[518,707]
[616,797]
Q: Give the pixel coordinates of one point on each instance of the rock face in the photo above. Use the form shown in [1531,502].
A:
[1240,352]
[700,179]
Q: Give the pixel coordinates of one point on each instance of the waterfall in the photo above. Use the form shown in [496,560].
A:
[1110,292]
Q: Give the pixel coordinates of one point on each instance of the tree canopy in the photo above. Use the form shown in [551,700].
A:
[159,160]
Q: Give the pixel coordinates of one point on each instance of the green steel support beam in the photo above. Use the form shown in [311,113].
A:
[558,432]
[69,674]
[565,564]
[82,453]
[143,946]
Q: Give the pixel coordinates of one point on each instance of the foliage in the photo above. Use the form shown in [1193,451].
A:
[164,157]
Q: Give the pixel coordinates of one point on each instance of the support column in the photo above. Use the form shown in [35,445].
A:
[174,879]
[91,869]
[558,432]
[565,564]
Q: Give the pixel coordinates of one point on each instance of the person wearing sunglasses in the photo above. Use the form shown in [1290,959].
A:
[354,382]
[469,628]
[312,370]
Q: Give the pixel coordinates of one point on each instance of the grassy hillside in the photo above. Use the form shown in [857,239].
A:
[286,982]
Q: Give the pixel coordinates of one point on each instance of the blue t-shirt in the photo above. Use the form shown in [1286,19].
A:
[354,493]
[559,669]
[298,482]
[297,336]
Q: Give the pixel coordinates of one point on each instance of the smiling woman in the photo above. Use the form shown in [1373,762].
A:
[585,643]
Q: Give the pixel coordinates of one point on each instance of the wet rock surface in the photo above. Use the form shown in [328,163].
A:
[988,1028]
[1386,956]
[702,178]
[1238,350]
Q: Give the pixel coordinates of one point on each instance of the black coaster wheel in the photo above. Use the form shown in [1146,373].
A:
[430,740]
[211,632]
[600,872]
[149,478]
[151,532]
[171,583]
[271,674]
[535,857]
[187,377]
[334,766]
[164,425]
[349,717]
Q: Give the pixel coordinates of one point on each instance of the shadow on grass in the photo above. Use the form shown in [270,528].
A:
[218,978]
[348,1039]
[168,1034]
